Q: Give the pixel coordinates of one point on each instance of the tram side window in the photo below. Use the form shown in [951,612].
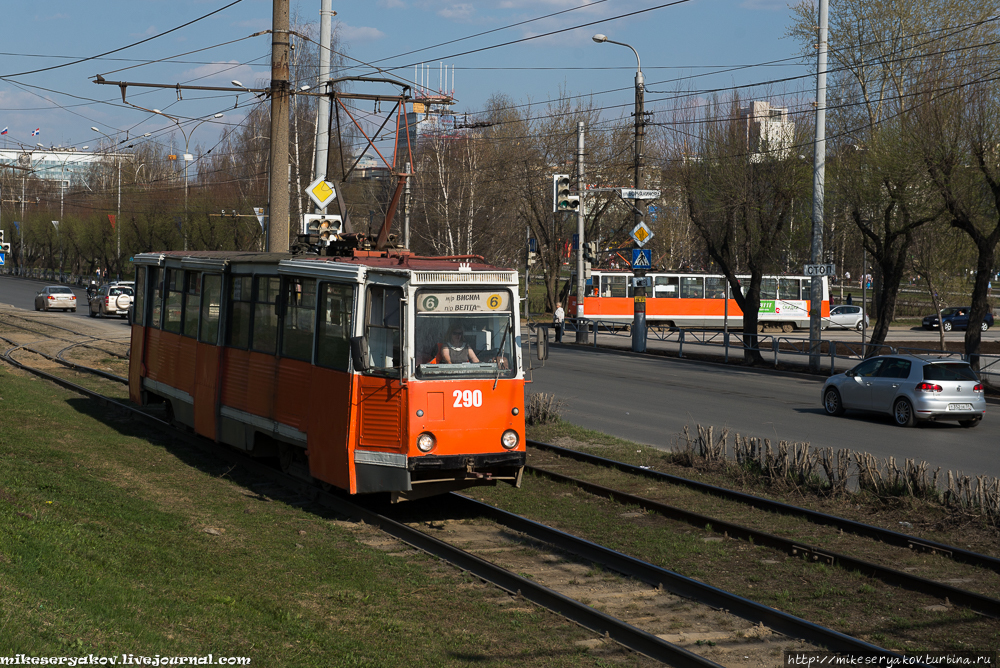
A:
[715,287]
[666,286]
[788,288]
[175,300]
[192,297]
[211,301]
[265,314]
[383,330]
[614,286]
[240,304]
[156,290]
[807,289]
[692,287]
[335,328]
[138,309]
[769,288]
[300,316]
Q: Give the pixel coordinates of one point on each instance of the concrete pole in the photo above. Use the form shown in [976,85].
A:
[406,209]
[581,280]
[326,15]
[819,177]
[277,231]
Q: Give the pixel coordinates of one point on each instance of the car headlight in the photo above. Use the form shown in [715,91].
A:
[426,442]
[509,439]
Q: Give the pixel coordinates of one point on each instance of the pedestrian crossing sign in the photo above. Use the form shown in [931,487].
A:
[642,258]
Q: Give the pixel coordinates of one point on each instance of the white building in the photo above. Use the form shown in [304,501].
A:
[768,130]
[55,164]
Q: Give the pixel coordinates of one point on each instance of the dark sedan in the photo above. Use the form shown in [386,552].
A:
[956,317]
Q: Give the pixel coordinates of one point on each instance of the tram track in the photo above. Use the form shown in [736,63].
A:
[603,624]
[975,601]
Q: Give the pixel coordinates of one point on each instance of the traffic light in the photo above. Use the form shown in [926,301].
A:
[562,199]
[1,236]
[590,251]
[324,226]
[4,248]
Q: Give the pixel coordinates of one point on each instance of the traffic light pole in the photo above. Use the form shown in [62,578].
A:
[581,279]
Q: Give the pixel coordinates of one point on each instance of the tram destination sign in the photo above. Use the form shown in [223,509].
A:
[820,270]
[467,301]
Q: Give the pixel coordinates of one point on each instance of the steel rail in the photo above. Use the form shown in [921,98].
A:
[887,536]
[678,584]
[603,624]
[977,602]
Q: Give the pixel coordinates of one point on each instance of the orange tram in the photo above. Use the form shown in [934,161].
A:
[699,300]
[372,372]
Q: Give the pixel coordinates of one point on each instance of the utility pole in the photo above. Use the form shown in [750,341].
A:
[819,176]
[639,318]
[326,15]
[581,280]
[277,231]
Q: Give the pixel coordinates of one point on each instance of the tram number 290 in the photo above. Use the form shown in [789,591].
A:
[467,398]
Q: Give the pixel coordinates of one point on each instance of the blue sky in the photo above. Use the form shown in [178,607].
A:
[721,43]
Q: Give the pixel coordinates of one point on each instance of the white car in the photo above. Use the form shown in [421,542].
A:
[111,300]
[847,317]
[55,296]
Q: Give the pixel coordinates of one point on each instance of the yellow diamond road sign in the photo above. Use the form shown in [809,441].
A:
[641,234]
[321,192]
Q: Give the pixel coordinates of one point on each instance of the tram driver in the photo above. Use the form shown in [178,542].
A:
[456,350]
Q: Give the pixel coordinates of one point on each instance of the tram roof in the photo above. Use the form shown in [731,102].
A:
[394,261]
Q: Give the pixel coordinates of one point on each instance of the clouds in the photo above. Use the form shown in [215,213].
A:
[222,73]
[356,34]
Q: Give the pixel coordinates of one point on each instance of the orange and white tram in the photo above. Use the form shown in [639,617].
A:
[336,365]
[698,300]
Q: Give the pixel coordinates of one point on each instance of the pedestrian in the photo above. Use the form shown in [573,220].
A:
[849,299]
[558,317]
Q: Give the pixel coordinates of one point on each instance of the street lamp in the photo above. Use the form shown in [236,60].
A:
[118,229]
[639,320]
[187,156]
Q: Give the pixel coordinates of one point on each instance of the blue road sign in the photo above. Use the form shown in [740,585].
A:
[642,258]
[3,259]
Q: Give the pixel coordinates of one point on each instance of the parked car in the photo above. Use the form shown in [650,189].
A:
[910,388]
[55,296]
[956,317]
[111,300]
[848,317]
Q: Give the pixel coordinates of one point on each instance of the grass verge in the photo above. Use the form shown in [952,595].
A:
[115,539]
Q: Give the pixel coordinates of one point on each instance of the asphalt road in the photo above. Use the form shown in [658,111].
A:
[20,293]
[650,399]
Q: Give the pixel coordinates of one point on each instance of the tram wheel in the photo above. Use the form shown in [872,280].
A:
[286,455]
[787,327]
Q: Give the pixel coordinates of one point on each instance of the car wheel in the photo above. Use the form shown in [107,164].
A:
[832,403]
[902,412]
[969,424]
[947,326]
[860,325]
[92,314]
[72,310]
[984,326]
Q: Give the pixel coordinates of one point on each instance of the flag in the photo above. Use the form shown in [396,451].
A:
[37,132]
[3,132]
[111,217]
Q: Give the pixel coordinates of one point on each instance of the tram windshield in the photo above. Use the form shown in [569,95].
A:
[464,334]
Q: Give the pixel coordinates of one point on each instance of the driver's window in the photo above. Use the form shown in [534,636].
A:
[384,328]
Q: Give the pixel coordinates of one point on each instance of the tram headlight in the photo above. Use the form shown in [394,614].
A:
[426,442]
[509,439]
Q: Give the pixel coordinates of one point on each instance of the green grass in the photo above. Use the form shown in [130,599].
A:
[103,550]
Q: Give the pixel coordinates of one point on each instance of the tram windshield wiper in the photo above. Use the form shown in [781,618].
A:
[500,353]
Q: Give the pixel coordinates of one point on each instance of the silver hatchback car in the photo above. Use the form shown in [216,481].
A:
[910,388]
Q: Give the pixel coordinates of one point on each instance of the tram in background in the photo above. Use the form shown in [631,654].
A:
[333,364]
[699,300]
